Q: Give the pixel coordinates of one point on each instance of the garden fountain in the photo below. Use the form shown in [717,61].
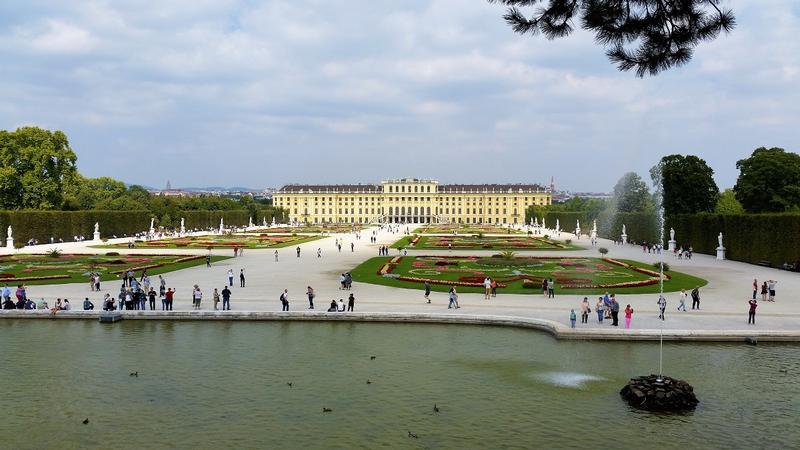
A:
[658,392]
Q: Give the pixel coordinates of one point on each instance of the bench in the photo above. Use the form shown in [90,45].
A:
[765,263]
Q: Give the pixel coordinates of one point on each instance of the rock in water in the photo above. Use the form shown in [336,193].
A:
[649,394]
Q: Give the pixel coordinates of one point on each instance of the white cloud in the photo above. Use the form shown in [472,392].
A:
[62,37]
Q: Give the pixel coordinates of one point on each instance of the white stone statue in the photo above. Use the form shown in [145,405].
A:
[265,221]
[221,224]
[152,222]
[558,225]
[623,229]
[250,224]
[273,220]
[183,226]
[719,239]
[544,225]
[672,234]
[594,226]
[96,227]
[578,224]
[10,232]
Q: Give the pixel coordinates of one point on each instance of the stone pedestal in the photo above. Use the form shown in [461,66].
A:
[673,244]
[720,253]
[624,239]
[10,243]
[96,235]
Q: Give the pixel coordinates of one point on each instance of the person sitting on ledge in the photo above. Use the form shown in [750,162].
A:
[109,305]
[8,304]
[42,304]
[87,304]
[341,305]
[29,304]
[333,307]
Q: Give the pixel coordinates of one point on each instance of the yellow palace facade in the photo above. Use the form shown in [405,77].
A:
[410,200]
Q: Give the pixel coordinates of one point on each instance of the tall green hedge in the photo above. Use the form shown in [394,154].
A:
[747,237]
[638,226]
[42,225]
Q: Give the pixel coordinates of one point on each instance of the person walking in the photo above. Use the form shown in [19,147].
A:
[494,288]
[585,310]
[751,315]
[241,278]
[544,287]
[755,288]
[352,247]
[215,296]
[276,256]
[572,318]
[351,301]
[628,316]
[319,252]
[226,299]
[208,259]
[151,297]
[600,308]
[662,306]
[551,288]
[764,291]
[230,278]
[285,299]
[682,300]
[696,297]
[298,252]
[310,294]
[427,291]
[453,297]
[487,288]
[614,312]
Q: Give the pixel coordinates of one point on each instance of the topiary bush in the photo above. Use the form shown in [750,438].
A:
[602,250]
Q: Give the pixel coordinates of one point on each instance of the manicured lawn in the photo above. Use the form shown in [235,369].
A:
[43,269]
[467,229]
[474,242]
[252,241]
[521,275]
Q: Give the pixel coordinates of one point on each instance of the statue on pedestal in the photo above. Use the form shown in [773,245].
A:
[96,227]
[10,232]
[672,234]
[183,227]
[719,240]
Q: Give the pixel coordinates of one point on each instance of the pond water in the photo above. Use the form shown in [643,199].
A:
[224,385]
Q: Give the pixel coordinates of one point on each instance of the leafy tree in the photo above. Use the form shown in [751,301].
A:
[631,194]
[647,35]
[769,181]
[727,203]
[35,165]
[685,185]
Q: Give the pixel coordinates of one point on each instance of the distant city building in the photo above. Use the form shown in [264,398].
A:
[410,200]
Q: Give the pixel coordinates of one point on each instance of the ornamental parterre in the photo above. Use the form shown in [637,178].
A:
[529,272]
[477,242]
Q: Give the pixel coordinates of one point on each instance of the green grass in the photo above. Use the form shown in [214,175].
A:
[75,267]
[472,242]
[367,272]
[467,229]
[254,241]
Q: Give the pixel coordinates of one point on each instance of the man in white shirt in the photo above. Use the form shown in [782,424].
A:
[487,287]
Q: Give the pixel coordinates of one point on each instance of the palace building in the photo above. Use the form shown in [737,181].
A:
[410,200]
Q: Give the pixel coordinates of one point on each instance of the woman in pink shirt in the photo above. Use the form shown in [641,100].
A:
[628,316]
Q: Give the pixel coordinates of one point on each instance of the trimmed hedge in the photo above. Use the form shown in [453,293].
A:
[42,225]
[639,226]
[747,237]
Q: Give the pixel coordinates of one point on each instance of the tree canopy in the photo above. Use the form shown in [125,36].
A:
[631,194]
[727,203]
[769,181]
[685,185]
[35,165]
[646,35]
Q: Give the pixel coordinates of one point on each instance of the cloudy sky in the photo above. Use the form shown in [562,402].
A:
[262,93]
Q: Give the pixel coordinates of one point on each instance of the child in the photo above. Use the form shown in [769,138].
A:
[572,318]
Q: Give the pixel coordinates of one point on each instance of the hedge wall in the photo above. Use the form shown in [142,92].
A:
[639,226]
[747,237]
[42,225]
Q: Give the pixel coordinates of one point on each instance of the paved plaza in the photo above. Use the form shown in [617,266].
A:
[723,300]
